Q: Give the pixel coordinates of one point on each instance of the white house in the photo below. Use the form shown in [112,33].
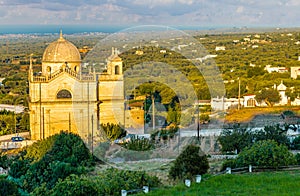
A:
[270,69]
[223,103]
[220,48]
[295,72]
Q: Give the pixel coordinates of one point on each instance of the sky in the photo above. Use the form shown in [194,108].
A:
[229,13]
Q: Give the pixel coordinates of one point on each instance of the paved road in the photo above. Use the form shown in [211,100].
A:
[6,138]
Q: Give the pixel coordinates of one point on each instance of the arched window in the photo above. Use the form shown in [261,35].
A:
[49,69]
[117,70]
[64,94]
[76,69]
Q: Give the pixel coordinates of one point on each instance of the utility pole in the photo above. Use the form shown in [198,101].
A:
[198,122]
[239,96]
[92,134]
[153,113]
[43,123]
[40,102]
[69,122]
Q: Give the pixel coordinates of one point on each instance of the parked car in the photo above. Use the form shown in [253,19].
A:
[127,138]
[17,139]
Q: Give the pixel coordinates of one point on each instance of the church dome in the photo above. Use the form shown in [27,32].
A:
[61,51]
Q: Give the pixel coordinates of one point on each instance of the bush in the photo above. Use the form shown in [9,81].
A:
[235,139]
[18,168]
[113,131]
[190,162]
[8,188]
[275,133]
[139,144]
[67,155]
[74,185]
[297,157]
[263,153]
[238,138]
[296,143]
[4,161]
[112,181]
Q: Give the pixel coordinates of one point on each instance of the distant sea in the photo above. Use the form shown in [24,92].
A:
[51,29]
[75,29]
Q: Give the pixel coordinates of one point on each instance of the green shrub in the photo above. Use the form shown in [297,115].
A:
[67,155]
[139,144]
[297,157]
[8,188]
[275,133]
[238,138]
[74,185]
[165,133]
[235,139]
[190,162]
[4,161]
[113,131]
[266,153]
[18,167]
[296,143]
[38,149]
[112,181]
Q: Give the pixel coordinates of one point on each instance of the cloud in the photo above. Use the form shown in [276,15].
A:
[240,9]
[166,12]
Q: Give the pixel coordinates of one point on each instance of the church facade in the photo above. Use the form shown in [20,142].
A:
[63,98]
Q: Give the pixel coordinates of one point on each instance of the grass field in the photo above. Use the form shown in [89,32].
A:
[273,183]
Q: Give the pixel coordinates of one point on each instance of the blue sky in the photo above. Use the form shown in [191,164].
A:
[155,12]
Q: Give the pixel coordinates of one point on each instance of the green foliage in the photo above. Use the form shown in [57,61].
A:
[164,134]
[38,149]
[235,139]
[139,144]
[297,157]
[18,167]
[264,153]
[204,118]
[75,186]
[64,154]
[238,138]
[189,163]
[9,121]
[70,148]
[270,96]
[112,181]
[296,143]
[113,131]
[8,188]
[4,161]
[275,133]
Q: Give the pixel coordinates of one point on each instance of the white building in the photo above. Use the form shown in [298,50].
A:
[220,48]
[295,72]
[249,101]
[283,98]
[270,69]
[223,103]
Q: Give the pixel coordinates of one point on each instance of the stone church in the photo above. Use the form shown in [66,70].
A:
[64,98]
